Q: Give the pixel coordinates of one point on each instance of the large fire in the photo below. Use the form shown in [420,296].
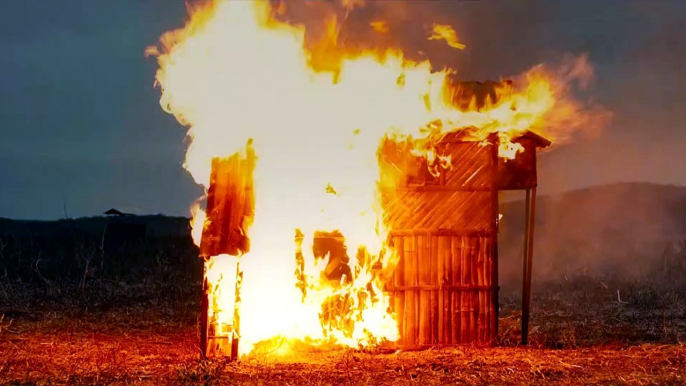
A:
[235,74]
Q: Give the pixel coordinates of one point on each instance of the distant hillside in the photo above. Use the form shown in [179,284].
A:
[627,229]
[624,229]
[78,251]
[157,226]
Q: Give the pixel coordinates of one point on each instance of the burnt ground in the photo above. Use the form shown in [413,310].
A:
[75,310]
[582,333]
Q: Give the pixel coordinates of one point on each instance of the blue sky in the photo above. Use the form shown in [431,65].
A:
[81,127]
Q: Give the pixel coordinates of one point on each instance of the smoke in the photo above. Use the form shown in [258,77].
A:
[625,230]
[571,114]
[346,28]
[568,239]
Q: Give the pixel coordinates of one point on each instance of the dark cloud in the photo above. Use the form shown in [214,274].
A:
[79,117]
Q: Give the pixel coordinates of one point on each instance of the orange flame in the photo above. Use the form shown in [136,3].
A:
[447,33]
[379,26]
[234,74]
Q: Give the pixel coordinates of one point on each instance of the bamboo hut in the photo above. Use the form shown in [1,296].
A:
[444,226]
[443,222]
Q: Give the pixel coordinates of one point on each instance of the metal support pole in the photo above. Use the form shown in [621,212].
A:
[495,213]
[527,261]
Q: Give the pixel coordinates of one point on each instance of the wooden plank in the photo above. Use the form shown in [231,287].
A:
[204,314]
[456,279]
[484,278]
[478,299]
[230,206]
[494,241]
[480,307]
[486,301]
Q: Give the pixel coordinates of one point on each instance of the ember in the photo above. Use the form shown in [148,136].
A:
[386,171]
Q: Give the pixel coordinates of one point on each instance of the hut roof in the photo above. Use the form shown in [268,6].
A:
[464,94]
[540,141]
[464,136]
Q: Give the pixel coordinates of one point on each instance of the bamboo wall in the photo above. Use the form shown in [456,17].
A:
[445,287]
[442,288]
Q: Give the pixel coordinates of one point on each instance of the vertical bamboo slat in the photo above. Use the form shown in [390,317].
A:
[464,295]
[440,280]
[480,294]
[409,274]
[398,281]
[423,298]
[477,305]
[457,280]
[436,282]
[486,282]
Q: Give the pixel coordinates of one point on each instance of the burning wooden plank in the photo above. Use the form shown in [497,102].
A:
[230,212]
[230,206]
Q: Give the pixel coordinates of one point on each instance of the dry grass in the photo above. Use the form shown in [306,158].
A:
[90,351]
[577,338]
[121,326]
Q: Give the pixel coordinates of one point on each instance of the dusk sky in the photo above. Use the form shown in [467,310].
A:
[82,130]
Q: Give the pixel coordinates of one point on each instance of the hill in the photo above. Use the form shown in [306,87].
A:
[156,226]
[624,229]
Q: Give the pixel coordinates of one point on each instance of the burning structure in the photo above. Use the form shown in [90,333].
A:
[354,205]
[444,227]
[442,220]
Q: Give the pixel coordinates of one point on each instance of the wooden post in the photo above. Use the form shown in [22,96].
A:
[204,311]
[527,261]
[495,213]
[235,337]
[230,210]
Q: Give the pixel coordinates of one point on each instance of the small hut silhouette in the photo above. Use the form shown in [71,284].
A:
[115,212]
[122,230]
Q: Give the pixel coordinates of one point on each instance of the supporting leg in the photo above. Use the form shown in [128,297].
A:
[235,338]
[527,261]
[204,312]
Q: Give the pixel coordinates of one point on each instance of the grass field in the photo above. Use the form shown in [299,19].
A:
[133,320]
[581,334]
